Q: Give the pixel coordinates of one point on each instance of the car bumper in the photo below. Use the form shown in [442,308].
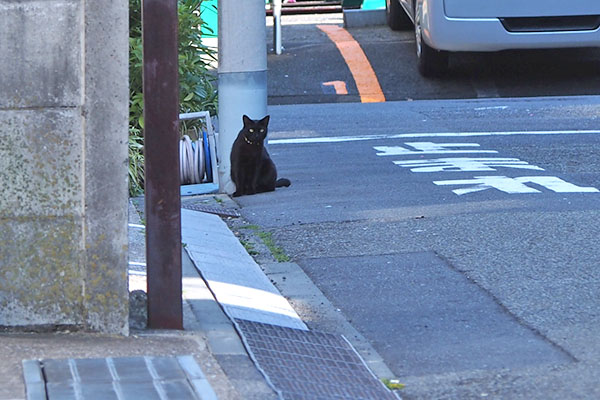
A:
[488,34]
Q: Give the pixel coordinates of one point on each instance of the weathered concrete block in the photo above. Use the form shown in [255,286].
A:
[41,53]
[40,163]
[106,167]
[63,163]
[41,275]
[363,18]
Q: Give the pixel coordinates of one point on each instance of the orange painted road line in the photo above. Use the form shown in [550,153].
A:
[362,72]
[338,86]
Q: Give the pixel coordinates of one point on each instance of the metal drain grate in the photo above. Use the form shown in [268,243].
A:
[223,212]
[308,365]
[116,378]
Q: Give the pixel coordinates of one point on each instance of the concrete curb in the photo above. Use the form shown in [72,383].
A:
[203,314]
[364,18]
[242,288]
[221,336]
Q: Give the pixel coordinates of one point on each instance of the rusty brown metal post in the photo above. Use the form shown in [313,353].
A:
[161,149]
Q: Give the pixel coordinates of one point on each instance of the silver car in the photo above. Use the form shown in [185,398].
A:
[443,26]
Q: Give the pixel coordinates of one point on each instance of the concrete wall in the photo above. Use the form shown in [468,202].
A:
[63,163]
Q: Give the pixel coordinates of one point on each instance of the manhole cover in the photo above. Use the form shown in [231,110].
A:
[311,365]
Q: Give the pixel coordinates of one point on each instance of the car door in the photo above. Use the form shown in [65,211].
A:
[519,8]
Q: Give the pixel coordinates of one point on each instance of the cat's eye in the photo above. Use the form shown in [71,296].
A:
[251,130]
[262,130]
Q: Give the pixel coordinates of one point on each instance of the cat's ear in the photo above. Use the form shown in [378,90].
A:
[246,120]
[265,120]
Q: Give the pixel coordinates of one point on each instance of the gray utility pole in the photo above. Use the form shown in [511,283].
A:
[242,74]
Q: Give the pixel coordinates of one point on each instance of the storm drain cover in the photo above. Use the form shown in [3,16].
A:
[309,365]
[116,378]
[221,211]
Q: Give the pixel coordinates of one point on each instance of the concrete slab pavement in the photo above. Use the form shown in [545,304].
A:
[16,347]
[116,377]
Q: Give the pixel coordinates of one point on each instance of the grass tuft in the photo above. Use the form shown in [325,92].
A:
[277,251]
[393,384]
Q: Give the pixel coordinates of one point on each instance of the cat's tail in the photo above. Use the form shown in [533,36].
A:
[282,182]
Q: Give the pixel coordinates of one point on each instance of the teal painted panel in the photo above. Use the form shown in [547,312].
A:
[373,4]
[210,17]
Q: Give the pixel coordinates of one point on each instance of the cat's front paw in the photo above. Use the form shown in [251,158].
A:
[236,194]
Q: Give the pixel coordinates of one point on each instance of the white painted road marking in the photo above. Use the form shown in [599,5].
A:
[465,164]
[490,108]
[516,185]
[429,148]
[468,164]
[338,139]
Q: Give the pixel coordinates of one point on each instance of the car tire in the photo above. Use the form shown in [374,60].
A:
[396,17]
[431,62]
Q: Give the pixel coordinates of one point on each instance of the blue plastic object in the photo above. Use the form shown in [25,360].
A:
[207,159]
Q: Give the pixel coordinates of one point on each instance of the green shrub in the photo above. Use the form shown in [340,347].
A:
[197,91]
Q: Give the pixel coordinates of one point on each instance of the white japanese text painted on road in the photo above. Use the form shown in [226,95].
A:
[511,185]
[515,185]
[465,164]
[430,148]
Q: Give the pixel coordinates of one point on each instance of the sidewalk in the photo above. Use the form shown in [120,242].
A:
[242,333]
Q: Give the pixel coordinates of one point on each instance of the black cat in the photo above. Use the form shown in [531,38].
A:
[252,170]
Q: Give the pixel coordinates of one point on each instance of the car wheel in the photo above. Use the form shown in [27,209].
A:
[431,62]
[397,19]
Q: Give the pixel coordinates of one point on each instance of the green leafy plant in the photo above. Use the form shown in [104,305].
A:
[136,162]
[197,90]
[196,81]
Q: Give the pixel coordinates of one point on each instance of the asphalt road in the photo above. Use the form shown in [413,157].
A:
[492,285]
[310,60]
[457,236]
